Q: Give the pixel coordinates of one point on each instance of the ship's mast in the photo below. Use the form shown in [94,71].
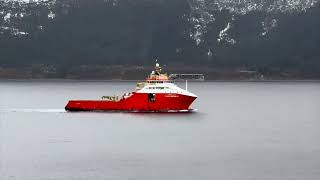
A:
[157,69]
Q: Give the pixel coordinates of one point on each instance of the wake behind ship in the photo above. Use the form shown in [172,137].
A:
[157,94]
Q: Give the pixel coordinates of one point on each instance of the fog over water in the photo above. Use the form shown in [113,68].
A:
[241,131]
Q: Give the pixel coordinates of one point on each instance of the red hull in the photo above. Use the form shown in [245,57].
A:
[140,102]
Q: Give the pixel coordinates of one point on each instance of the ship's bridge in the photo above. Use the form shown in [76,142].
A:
[158,81]
[155,77]
[161,78]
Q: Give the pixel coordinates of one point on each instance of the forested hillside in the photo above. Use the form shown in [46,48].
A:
[251,33]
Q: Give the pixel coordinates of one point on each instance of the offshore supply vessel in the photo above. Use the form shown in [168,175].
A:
[157,94]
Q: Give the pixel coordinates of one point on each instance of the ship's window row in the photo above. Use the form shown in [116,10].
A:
[158,87]
[160,81]
[155,81]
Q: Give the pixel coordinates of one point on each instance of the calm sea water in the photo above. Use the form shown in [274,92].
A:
[241,131]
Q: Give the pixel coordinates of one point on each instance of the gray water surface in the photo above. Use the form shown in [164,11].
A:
[241,131]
